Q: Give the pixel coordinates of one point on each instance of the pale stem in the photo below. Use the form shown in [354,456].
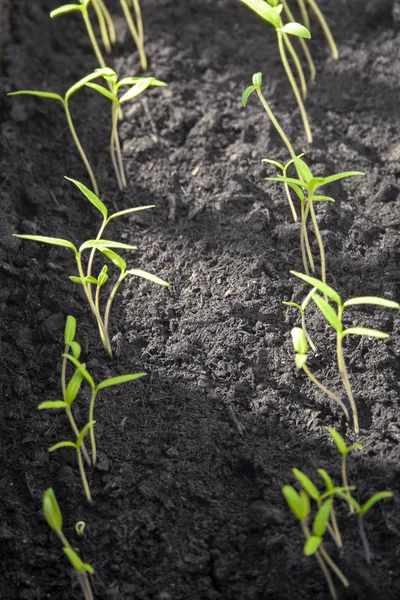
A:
[325,28]
[295,89]
[336,533]
[85,585]
[364,540]
[92,253]
[345,480]
[303,43]
[83,475]
[289,197]
[322,564]
[120,161]
[304,14]
[92,38]
[275,123]
[76,432]
[110,300]
[102,25]
[114,125]
[92,436]
[109,21]
[326,391]
[134,32]
[303,324]
[345,377]
[139,21]
[333,566]
[297,64]
[319,239]
[307,241]
[80,148]
[63,539]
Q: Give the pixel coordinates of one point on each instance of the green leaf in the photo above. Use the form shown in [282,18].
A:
[300,360]
[311,545]
[299,341]
[103,91]
[105,244]
[336,490]
[247,93]
[51,510]
[372,300]
[303,170]
[62,445]
[289,180]
[366,331]
[350,500]
[323,199]
[70,330]
[49,95]
[127,211]
[103,276]
[265,11]
[306,484]
[115,258]
[83,432]
[48,240]
[120,379]
[128,81]
[328,312]
[82,369]
[79,84]
[332,178]
[299,504]
[327,479]
[77,563]
[148,276]
[76,349]
[65,9]
[297,190]
[339,441]
[274,162]
[296,29]
[373,500]
[293,304]
[322,287]
[87,279]
[52,404]
[322,517]
[136,90]
[73,387]
[91,196]
[257,80]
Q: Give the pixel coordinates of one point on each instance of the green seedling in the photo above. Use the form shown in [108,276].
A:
[344,452]
[361,510]
[53,516]
[299,504]
[137,85]
[86,279]
[83,8]
[335,321]
[272,15]
[305,188]
[136,28]
[321,19]
[65,103]
[78,448]
[300,346]
[95,390]
[70,390]
[302,308]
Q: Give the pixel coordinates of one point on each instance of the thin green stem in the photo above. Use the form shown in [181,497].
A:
[293,83]
[102,25]
[297,64]
[92,253]
[119,156]
[345,480]
[92,38]
[303,325]
[304,14]
[307,241]
[275,123]
[135,31]
[110,300]
[83,475]
[326,391]
[63,539]
[336,533]
[322,565]
[289,197]
[110,23]
[92,436]
[364,539]
[114,133]
[345,377]
[85,585]
[76,432]
[303,43]
[333,566]
[325,28]
[319,239]
[80,148]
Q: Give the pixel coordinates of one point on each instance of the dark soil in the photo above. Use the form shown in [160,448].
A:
[187,492]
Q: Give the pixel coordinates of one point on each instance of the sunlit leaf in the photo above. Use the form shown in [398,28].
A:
[322,287]
[373,500]
[247,93]
[372,300]
[120,379]
[148,276]
[50,404]
[91,196]
[311,545]
[47,240]
[328,312]
[306,484]
[366,332]
[296,29]
[51,510]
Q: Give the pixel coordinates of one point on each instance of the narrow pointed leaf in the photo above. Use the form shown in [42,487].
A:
[91,196]
[274,162]
[73,387]
[79,84]
[322,517]
[289,180]
[136,90]
[74,559]
[311,545]
[366,332]
[323,199]
[339,441]
[148,276]
[299,341]
[372,300]
[83,432]
[76,349]
[102,278]
[297,190]
[247,93]
[82,369]
[103,91]
[105,244]
[115,258]
[293,304]
[373,500]
[303,170]
[127,211]
[306,484]
[120,379]
[327,479]
[322,287]
[50,404]
[265,11]
[51,510]
[88,279]
[128,81]
[350,500]
[328,312]
[62,445]
[47,240]
[70,329]
[338,176]
[299,504]
[49,95]
[63,10]
[297,30]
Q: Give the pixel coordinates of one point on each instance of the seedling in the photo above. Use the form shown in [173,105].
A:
[86,279]
[305,188]
[65,102]
[53,516]
[361,510]
[78,447]
[302,308]
[71,390]
[272,15]
[344,452]
[137,86]
[299,504]
[335,320]
[301,348]
[95,390]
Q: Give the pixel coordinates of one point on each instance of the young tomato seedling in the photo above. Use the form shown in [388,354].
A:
[344,452]
[335,321]
[86,279]
[302,308]
[272,15]
[137,85]
[301,348]
[305,188]
[53,516]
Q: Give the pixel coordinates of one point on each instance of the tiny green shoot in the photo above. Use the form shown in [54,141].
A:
[272,15]
[300,346]
[80,527]
[302,308]
[53,516]
[344,451]
[335,321]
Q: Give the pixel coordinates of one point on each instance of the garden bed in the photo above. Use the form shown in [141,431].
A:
[192,458]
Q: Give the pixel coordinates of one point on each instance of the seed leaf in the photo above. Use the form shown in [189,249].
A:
[70,329]
[52,404]
[306,484]
[311,545]
[103,276]
[105,244]
[297,190]
[47,240]
[297,30]
[82,369]
[149,276]
[289,180]
[366,331]
[372,300]
[373,500]
[328,312]
[115,258]
[65,9]
[136,89]
[350,500]
[303,170]
[76,349]
[300,360]
[51,510]
[323,199]
[339,441]
[129,210]
[332,178]
[293,304]
[120,379]
[247,93]
[299,341]
[73,387]
[83,432]
[274,162]
[299,504]
[62,445]
[103,91]
[87,279]
[77,563]
[49,95]
[322,287]
[91,196]
[265,11]
[321,518]
[327,479]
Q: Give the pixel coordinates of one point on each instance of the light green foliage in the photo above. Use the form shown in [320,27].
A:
[107,247]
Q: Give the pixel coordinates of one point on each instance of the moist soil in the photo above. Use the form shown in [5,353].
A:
[187,497]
